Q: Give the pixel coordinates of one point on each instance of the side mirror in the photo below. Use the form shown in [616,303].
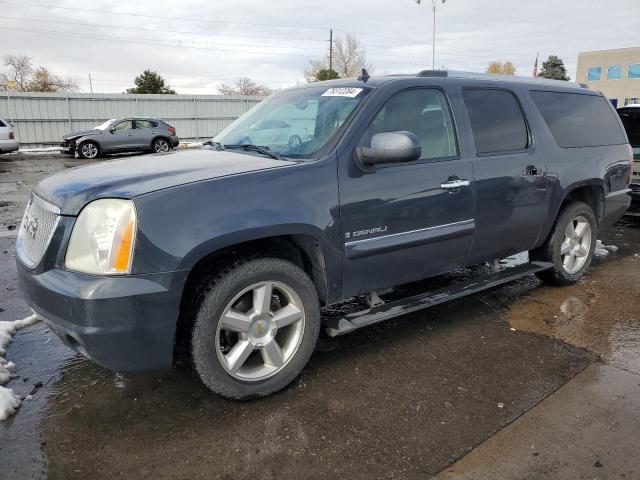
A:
[389,147]
[112,129]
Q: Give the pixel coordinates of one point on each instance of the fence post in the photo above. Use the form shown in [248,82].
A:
[69,115]
[195,118]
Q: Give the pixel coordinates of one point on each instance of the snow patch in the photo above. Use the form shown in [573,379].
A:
[32,151]
[9,401]
[603,250]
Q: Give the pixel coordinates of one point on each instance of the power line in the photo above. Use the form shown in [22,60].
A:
[160,17]
[158,30]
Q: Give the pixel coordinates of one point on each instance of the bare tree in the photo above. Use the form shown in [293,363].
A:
[43,80]
[20,70]
[28,79]
[349,58]
[499,68]
[244,86]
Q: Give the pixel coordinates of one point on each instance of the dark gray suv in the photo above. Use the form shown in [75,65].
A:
[234,258]
[123,135]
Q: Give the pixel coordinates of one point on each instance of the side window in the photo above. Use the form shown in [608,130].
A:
[2,124]
[145,124]
[423,112]
[126,125]
[497,121]
[579,120]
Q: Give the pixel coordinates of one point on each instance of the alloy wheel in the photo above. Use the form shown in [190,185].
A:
[89,150]
[576,246]
[162,146]
[260,331]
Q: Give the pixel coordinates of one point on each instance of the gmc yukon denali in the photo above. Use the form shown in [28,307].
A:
[230,257]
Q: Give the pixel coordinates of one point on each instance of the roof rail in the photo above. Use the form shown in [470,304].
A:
[491,76]
[433,73]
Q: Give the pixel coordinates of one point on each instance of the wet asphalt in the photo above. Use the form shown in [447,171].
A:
[403,399]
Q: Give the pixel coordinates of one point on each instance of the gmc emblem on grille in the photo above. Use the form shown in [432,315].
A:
[31,226]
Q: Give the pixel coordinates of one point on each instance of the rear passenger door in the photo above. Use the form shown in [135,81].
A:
[510,168]
[144,133]
[405,221]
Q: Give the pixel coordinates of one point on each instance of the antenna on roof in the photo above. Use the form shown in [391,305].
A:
[364,76]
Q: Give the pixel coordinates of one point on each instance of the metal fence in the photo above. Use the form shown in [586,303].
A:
[43,118]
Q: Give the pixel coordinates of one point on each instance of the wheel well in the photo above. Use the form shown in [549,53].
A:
[302,250]
[160,136]
[592,195]
[90,140]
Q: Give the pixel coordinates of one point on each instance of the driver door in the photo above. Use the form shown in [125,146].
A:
[119,137]
[402,223]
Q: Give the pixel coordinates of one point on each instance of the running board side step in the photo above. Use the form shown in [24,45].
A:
[340,325]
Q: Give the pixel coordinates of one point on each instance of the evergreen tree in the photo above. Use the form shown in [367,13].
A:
[554,68]
[150,82]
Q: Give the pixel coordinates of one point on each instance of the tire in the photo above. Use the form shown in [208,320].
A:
[161,145]
[89,150]
[560,245]
[247,331]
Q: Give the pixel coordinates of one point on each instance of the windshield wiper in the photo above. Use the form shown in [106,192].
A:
[255,148]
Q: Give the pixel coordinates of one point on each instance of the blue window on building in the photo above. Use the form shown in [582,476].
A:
[634,70]
[594,73]
[614,72]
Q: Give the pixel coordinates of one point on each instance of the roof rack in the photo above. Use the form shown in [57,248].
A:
[491,76]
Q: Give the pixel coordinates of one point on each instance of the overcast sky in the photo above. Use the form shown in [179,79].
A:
[197,45]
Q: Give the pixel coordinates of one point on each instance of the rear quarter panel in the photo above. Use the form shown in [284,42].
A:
[570,168]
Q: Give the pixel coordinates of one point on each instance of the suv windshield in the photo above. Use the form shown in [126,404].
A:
[105,125]
[295,123]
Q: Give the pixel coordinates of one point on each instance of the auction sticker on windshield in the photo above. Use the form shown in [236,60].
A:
[342,92]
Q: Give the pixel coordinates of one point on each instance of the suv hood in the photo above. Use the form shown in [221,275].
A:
[73,135]
[131,176]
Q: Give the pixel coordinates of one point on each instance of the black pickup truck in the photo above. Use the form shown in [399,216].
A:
[230,256]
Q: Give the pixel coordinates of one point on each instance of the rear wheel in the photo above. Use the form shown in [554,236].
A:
[571,245]
[89,150]
[161,145]
[255,327]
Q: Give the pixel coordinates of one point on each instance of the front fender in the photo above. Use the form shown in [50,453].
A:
[179,226]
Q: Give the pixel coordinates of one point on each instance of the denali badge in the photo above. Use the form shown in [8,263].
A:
[368,231]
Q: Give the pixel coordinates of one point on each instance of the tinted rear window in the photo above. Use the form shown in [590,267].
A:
[577,120]
[2,124]
[496,119]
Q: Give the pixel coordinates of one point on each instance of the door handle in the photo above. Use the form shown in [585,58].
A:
[454,184]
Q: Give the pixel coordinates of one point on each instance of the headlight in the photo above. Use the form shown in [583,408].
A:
[103,237]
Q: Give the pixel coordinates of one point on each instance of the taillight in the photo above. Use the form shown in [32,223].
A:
[11,136]
[172,131]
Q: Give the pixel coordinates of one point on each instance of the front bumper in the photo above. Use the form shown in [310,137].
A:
[123,323]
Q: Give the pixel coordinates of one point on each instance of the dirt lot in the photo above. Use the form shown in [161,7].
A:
[405,399]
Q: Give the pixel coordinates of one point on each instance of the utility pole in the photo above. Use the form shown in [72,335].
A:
[90,84]
[433,41]
[330,49]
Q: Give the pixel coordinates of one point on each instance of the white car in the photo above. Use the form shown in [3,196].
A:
[8,141]
[276,132]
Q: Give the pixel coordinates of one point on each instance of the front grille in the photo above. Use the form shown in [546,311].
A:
[38,224]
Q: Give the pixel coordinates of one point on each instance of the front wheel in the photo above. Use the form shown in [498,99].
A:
[255,327]
[89,150]
[571,245]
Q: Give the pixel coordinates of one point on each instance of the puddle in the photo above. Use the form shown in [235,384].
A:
[599,313]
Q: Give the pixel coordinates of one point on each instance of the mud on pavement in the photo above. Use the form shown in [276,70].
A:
[404,399]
